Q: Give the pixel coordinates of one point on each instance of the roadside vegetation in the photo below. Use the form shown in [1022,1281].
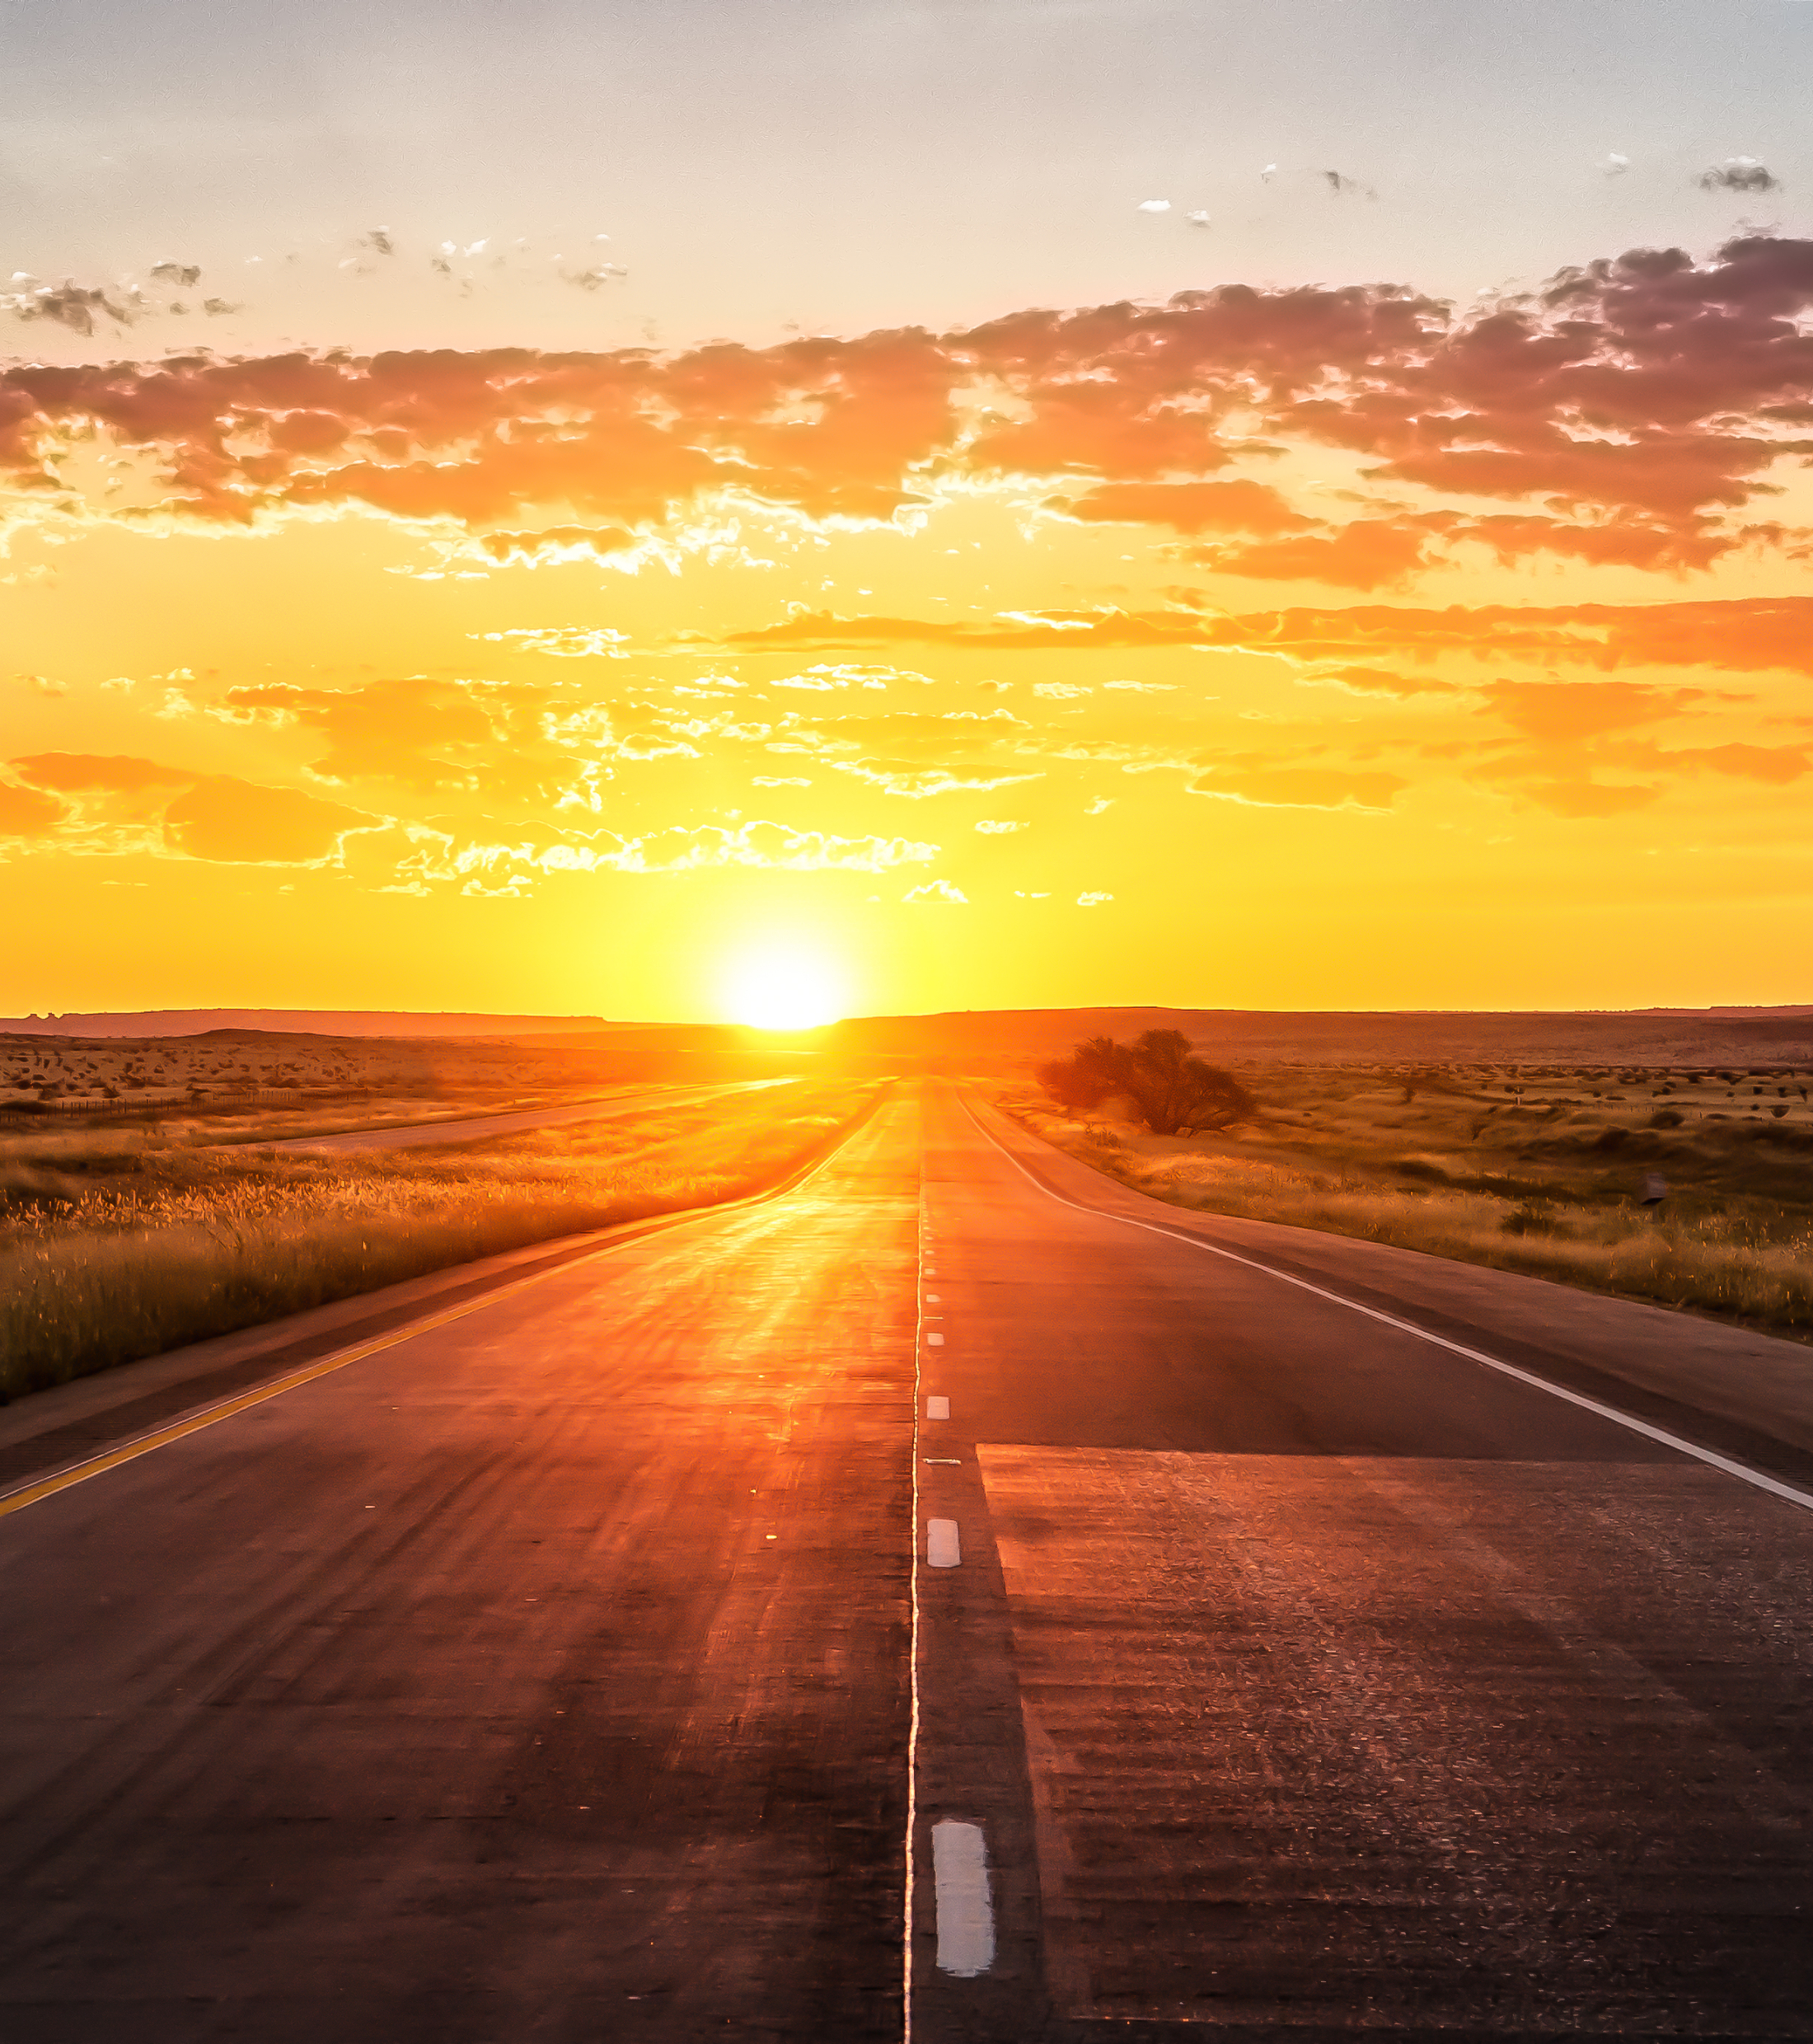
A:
[1688,1187]
[1172,1092]
[116,1244]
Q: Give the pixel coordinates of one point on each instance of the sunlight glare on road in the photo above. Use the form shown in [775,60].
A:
[783,987]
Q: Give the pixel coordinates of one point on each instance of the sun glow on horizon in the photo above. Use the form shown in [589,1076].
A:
[785,987]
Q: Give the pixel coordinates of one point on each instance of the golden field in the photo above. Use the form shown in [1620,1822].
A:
[1537,1169]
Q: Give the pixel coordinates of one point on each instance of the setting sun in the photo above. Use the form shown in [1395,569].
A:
[783,989]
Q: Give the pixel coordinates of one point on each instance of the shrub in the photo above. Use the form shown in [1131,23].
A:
[1175,1092]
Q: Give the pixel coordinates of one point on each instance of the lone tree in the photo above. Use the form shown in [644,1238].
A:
[1174,1091]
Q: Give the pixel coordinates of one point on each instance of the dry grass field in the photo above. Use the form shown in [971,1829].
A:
[1539,1168]
[120,1242]
[340,1082]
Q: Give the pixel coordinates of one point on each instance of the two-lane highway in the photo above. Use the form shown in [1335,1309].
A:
[563,1671]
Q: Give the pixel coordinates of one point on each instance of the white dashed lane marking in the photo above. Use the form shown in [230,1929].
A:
[943,1547]
[935,1341]
[966,1916]
[938,1408]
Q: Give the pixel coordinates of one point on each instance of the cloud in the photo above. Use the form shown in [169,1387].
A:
[77,773]
[1229,506]
[1622,413]
[1739,635]
[1372,681]
[233,822]
[1093,900]
[684,848]
[991,827]
[1739,173]
[1340,186]
[1154,205]
[915,783]
[113,803]
[947,738]
[563,642]
[1613,165]
[775,847]
[71,305]
[554,544]
[1587,799]
[1256,785]
[1568,713]
[420,733]
[1569,735]
[821,680]
[1368,553]
[27,815]
[936,891]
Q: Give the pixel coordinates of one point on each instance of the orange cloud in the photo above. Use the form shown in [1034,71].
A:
[1622,414]
[1231,507]
[25,814]
[1562,713]
[234,823]
[1741,636]
[79,773]
[1260,785]
[124,803]
[1372,681]
[423,733]
[1367,553]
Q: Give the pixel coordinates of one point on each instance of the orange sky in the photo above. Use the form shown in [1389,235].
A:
[1304,646]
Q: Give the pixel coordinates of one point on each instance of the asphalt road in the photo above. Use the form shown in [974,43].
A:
[561,1670]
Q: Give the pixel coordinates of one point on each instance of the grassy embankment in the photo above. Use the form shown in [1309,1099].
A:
[1541,1171]
[118,1243]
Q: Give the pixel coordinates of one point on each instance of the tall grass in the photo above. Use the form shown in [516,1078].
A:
[113,1249]
[1731,1255]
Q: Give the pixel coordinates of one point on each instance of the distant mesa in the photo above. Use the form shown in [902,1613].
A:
[296,1022]
[969,1040]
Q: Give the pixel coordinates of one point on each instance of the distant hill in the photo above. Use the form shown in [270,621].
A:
[989,1038]
[1001,1039]
[296,1022]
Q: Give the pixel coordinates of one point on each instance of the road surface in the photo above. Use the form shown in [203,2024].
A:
[475,1128]
[563,1670]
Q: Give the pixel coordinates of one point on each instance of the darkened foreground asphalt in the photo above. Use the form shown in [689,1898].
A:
[547,1672]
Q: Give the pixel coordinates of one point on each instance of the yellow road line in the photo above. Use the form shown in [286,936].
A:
[44,1486]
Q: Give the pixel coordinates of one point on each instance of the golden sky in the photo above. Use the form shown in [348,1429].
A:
[1267,643]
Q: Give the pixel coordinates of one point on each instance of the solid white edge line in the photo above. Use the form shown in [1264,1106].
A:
[1759,1478]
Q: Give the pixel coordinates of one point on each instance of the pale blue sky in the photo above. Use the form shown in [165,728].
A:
[841,164]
